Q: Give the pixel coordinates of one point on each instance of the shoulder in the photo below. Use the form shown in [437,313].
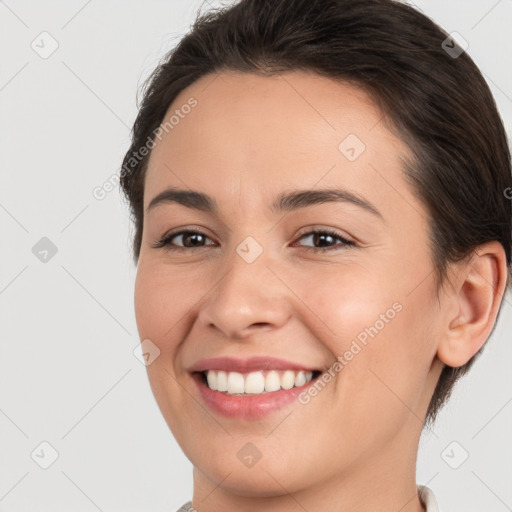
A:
[428,498]
[187,507]
[426,494]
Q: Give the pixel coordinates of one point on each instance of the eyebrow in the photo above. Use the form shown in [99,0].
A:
[285,202]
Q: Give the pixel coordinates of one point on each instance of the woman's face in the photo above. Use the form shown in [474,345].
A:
[255,283]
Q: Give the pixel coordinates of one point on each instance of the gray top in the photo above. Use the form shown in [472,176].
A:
[426,495]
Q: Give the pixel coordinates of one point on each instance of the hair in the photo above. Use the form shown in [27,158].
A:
[437,101]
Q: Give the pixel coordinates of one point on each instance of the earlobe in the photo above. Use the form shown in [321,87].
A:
[476,297]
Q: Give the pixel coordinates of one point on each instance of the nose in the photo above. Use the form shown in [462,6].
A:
[247,298]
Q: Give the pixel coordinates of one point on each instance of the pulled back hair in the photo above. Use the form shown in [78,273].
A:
[438,103]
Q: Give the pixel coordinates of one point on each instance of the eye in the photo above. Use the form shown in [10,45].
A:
[192,237]
[326,236]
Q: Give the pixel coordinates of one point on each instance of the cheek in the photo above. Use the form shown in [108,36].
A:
[380,336]
[159,306]
[162,299]
[349,303]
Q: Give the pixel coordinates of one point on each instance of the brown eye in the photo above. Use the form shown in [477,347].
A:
[325,238]
[190,239]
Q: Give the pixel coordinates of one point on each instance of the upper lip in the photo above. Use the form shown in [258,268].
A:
[232,364]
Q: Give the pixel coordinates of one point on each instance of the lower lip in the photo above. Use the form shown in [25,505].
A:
[247,407]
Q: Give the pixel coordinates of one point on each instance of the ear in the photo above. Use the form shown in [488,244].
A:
[474,303]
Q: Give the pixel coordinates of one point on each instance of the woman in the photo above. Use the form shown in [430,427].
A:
[323,240]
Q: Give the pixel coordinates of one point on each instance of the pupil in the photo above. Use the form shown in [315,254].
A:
[321,236]
[190,236]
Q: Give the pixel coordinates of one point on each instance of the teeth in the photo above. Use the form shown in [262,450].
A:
[255,383]
[300,379]
[222,381]
[272,381]
[211,377]
[235,382]
[288,379]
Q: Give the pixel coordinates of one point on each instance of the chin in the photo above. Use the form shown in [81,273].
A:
[260,481]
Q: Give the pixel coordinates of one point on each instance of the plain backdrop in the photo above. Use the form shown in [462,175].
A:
[73,395]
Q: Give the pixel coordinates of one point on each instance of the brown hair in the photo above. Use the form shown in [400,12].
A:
[435,99]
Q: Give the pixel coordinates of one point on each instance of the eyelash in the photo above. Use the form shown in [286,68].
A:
[165,242]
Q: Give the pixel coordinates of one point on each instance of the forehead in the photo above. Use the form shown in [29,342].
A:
[296,129]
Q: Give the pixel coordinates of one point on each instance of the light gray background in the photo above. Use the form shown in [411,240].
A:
[68,375]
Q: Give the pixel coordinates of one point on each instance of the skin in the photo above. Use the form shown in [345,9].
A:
[248,139]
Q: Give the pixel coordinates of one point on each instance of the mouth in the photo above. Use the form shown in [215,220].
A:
[251,396]
[249,389]
[256,382]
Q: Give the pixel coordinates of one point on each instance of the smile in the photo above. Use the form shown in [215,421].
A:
[255,383]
